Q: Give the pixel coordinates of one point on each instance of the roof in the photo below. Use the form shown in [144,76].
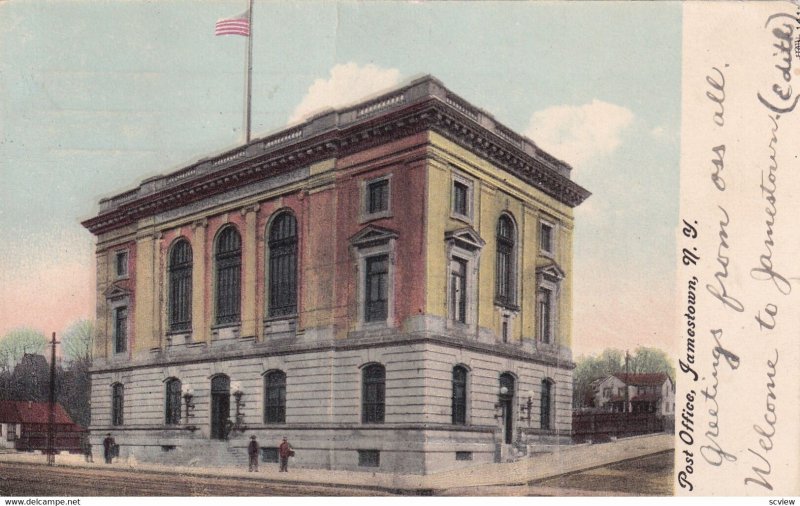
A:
[657,378]
[31,412]
[32,360]
[423,104]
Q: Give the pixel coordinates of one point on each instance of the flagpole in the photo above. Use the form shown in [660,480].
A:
[249,83]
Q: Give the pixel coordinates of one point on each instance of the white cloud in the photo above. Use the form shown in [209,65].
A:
[346,84]
[581,133]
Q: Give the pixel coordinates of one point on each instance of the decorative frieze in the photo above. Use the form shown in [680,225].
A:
[392,116]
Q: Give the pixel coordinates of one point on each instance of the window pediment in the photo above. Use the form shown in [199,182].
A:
[372,236]
[466,238]
[552,273]
[115,292]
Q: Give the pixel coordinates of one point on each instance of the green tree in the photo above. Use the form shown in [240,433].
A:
[646,360]
[588,369]
[16,343]
[77,341]
[611,361]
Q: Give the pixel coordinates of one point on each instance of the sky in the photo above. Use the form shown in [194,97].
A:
[96,96]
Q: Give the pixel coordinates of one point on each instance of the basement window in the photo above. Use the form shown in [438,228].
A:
[463,455]
[369,458]
[269,454]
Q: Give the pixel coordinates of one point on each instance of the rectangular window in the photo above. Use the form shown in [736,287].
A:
[369,458]
[373,395]
[12,432]
[378,196]
[376,296]
[458,290]
[463,455]
[121,263]
[546,237]
[544,315]
[120,329]
[505,331]
[269,454]
[460,198]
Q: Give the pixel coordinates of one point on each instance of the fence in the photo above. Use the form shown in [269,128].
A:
[603,426]
[33,438]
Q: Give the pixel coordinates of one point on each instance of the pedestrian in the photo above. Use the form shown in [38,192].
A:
[285,451]
[86,446]
[108,447]
[252,452]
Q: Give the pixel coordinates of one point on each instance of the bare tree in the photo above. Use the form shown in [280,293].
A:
[649,360]
[77,341]
[16,343]
[74,384]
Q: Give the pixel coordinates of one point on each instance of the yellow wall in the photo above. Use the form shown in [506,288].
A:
[495,191]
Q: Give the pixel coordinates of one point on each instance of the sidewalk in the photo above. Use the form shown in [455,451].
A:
[568,459]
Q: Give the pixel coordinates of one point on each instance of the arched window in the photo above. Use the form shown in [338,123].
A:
[459,395]
[229,273]
[373,399]
[283,265]
[275,397]
[546,407]
[117,403]
[505,268]
[180,286]
[172,406]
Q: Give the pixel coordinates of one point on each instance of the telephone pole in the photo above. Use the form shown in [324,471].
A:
[627,379]
[51,421]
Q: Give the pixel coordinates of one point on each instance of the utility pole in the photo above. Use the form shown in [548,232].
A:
[627,379]
[51,422]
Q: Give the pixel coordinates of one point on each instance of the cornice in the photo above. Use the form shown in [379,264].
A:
[338,133]
[288,347]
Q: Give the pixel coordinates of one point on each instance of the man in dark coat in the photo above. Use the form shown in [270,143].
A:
[108,448]
[284,452]
[252,452]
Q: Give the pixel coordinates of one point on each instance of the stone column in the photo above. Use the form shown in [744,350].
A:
[200,326]
[249,271]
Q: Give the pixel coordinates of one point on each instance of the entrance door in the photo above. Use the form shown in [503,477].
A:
[220,405]
[507,405]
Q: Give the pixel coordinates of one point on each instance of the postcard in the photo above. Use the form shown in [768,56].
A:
[360,248]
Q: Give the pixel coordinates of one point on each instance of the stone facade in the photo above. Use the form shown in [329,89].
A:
[410,236]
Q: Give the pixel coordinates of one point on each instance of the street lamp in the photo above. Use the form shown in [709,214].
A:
[237,397]
[525,409]
[188,395]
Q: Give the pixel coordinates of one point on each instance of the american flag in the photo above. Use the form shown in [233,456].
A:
[240,25]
